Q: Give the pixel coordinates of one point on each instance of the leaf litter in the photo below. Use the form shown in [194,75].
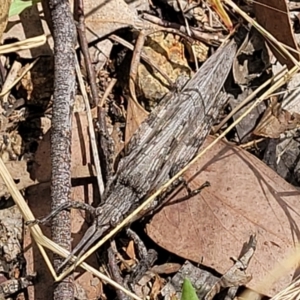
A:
[245,196]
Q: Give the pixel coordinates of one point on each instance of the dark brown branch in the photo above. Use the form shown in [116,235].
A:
[144,57]
[115,273]
[136,56]
[64,34]
[79,10]
[208,38]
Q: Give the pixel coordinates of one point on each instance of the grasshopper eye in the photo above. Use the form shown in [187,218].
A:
[115,219]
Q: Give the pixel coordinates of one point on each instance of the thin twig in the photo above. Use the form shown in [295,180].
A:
[144,58]
[136,55]
[188,30]
[115,273]
[210,39]
[26,69]
[79,14]
[108,89]
[91,130]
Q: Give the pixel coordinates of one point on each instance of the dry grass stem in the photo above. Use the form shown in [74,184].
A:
[26,69]
[24,45]
[91,129]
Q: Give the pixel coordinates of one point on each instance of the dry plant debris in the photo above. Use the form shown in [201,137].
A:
[272,21]
[244,197]
[4,8]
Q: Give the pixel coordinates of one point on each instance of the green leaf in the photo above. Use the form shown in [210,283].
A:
[188,292]
[17,6]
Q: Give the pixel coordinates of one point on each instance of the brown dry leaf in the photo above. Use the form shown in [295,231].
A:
[103,17]
[167,268]
[39,202]
[274,16]
[245,67]
[144,286]
[130,250]
[276,121]
[4,10]
[156,287]
[135,116]
[246,197]
[18,171]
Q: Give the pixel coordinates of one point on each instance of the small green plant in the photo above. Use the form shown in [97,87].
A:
[188,292]
[17,6]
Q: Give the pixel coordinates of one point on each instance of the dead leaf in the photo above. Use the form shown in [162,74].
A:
[245,66]
[104,17]
[246,197]
[81,160]
[135,116]
[274,16]
[144,286]
[130,250]
[19,173]
[276,121]
[167,268]
[156,287]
